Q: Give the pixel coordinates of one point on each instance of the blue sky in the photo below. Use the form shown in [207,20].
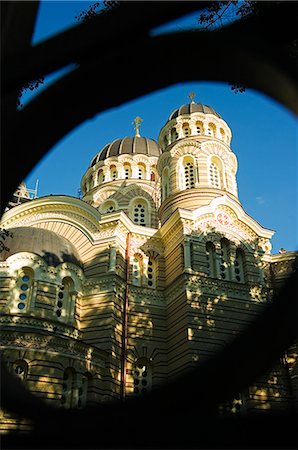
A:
[264,136]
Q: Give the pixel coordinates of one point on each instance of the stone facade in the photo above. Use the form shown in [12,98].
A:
[169,268]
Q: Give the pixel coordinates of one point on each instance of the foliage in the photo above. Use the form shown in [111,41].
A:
[93,10]
[3,235]
[31,85]
[219,13]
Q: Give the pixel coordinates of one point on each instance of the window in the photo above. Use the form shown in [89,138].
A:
[141,171]
[68,398]
[174,134]
[65,297]
[108,207]
[224,265]
[127,171]
[216,172]
[211,130]
[186,129]
[140,212]
[239,265]
[211,259]
[20,369]
[222,134]
[83,390]
[199,127]
[113,172]
[101,177]
[24,288]
[189,172]
[165,183]
[142,377]
[151,272]
[136,270]
[152,176]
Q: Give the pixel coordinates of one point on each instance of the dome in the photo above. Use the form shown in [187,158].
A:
[54,249]
[130,146]
[191,108]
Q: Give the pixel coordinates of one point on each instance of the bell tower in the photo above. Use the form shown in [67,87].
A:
[197,163]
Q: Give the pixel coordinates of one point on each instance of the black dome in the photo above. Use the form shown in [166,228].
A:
[193,108]
[128,145]
[54,249]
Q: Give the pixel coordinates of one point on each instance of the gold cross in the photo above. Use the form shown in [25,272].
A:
[191,96]
[137,123]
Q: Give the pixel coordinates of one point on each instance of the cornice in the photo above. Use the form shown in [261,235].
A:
[53,345]
[56,208]
[39,324]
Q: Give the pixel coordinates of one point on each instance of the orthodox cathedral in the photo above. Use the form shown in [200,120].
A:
[155,269]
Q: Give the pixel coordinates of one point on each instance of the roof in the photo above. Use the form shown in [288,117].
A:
[191,108]
[130,146]
[54,249]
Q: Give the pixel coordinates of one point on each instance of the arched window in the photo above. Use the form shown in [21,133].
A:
[140,212]
[165,183]
[83,390]
[108,207]
[224,265]
[137,270]
[152,176]
[222,134]
[239,264]
[68,398]
[113,172]
[151,272]
[92,183]
[199,127]
[127,171]
[211,259]
[65,298]
[215,173]
[101,176]
[20,369]
[211,130]
[174,134]
[186,129]
[24,288]
[189,172]
[142,377]
[141,171]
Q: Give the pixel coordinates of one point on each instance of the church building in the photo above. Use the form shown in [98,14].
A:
[153,271]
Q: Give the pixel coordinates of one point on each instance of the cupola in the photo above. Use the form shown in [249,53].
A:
[123,176]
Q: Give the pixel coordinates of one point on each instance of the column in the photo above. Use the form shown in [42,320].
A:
[112,266]
[187,259]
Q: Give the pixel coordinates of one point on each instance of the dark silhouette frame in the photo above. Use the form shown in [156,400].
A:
[181,414]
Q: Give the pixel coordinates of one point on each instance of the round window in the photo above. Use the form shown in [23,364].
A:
[25,278]
[22,296]
[24,287]
[21,305]
[19,370]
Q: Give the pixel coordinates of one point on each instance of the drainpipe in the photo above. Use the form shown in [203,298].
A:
[124,322]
